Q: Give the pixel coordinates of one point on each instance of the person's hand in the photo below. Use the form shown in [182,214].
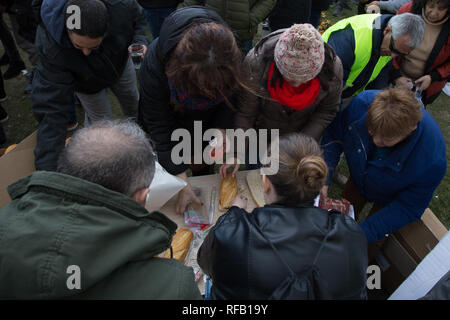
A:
[144,51]
[223,169]
[239,201]
[423,83]
[402,82]
[185,197]
[324,192]
[373,3]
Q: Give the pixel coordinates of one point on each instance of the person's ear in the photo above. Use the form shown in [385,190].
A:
[267,185]
[140,196]
[387,30]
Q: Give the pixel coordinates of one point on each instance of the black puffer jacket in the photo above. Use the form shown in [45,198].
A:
[156,115]
[103,67]
[242,264]
[151,4]
[63,69]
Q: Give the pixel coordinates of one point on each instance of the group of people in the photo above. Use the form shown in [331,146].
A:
[346,91]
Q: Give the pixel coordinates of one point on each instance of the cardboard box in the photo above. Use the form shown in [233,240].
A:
[406,248]
[16,164]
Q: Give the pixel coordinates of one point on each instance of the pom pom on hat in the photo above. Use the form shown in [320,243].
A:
[299,53]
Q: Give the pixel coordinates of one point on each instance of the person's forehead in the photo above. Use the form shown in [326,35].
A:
[440,5]
[85,41]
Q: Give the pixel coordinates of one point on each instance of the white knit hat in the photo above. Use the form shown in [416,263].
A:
[299,53]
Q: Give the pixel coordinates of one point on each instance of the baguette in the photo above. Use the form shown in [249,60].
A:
[181,243]
[254,182]
[228,191]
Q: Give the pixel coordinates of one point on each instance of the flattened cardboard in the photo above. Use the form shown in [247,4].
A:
[15,165]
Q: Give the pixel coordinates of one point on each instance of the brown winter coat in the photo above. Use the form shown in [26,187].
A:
[261,112]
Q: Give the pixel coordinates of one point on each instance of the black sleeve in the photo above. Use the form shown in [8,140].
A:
[51,101]
[140,24]
[228,224]
[155,116]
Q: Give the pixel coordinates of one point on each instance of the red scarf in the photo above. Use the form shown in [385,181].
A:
[296,98]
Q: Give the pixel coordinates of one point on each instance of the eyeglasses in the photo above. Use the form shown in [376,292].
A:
[394,50]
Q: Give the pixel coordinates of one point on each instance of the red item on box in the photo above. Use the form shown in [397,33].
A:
[341,205]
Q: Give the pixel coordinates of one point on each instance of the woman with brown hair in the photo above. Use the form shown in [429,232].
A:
[190,73]
[240,260]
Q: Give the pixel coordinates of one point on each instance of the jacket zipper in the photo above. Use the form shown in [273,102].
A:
[112,65]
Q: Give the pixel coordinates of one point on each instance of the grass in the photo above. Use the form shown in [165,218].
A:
[22,123]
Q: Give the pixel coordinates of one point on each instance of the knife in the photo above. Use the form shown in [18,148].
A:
[212,205]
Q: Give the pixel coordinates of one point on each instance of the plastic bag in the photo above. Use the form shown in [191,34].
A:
[195,217]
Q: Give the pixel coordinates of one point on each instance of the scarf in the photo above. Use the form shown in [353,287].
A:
[192,102]
[296,98]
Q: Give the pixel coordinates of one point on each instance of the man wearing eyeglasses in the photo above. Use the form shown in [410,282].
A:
[83,49]
[367,43]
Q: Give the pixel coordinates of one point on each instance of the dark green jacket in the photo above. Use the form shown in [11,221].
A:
[56,221]
[243,16]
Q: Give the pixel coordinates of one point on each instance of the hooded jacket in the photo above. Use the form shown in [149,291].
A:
[261,112]
[402,182]
[63,69]
[103,67]
[152,4]
[156,115]
[56,223]
[242,264]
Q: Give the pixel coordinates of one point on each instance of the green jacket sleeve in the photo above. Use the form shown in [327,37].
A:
[260,10]
[187,3]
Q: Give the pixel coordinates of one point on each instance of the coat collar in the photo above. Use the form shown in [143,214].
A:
[400,152]
[84,191]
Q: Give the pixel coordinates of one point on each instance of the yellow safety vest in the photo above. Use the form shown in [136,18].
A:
[362,26]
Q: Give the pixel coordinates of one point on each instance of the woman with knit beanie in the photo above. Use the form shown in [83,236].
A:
[427,66]
[296,82]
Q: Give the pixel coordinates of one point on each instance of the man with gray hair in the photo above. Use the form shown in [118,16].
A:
[367,43]
[83,232]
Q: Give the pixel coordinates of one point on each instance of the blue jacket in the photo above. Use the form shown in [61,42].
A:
[403,181]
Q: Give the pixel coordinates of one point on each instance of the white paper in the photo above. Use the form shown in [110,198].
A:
[164,186]
[432,268]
